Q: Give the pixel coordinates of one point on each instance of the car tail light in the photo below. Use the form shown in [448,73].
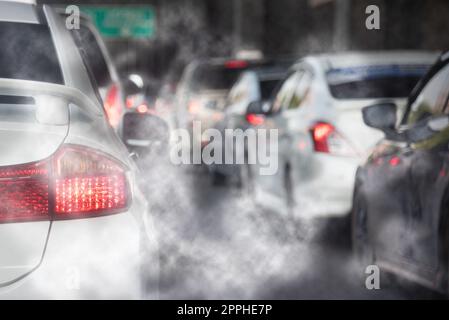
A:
[113,106]
[142,108]
[194,106]
[130,102]
[395,161]
[326,139]
[77,182]
[254,119]
[236,64]
[24,192]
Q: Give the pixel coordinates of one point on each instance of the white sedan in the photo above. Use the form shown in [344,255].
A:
[322,137]
[73,222]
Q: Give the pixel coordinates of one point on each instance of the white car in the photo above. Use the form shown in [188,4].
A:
[322,137]
[201,93]
[73,222]
[256,85]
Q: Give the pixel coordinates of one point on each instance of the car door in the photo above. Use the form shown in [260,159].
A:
[291,117]
[285,111]
[428,178]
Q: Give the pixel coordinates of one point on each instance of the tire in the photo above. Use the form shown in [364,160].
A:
[288,185]
[361,246]
[218,179]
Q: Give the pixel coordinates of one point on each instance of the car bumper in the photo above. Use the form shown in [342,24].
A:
[93,258]
[326,188]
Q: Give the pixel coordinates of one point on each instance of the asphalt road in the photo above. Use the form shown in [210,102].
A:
[215,244]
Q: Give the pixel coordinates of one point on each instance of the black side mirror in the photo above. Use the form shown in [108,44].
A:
[258,107]
[145,135]
[133,84]
[381,116]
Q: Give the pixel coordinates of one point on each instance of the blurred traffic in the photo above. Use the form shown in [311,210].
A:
[149,151]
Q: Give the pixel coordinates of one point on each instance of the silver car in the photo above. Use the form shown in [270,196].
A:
[73,221]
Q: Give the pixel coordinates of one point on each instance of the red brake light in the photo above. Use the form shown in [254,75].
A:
[130,102]
[236,64]
[24,191]
[327,139]
[194,106]
[254,119]
[88,183]
[112,106]
[320,133]
[77,182]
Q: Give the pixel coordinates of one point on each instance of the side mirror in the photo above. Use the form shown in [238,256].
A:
[427,129]
[258,107]
[145,135]
[381,116]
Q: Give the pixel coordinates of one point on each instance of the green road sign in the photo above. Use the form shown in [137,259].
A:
[123,22]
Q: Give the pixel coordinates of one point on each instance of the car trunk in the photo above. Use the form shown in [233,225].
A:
[350,124]
[22,140]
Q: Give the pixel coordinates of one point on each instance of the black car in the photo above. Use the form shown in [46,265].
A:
[400,218]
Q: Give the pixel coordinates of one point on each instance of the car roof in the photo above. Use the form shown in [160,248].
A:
[357,59]
[269,73]
[19,11]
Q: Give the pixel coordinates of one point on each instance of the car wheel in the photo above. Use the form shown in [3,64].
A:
[360,241]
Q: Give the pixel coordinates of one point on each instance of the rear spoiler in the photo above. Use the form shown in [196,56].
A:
[14,87]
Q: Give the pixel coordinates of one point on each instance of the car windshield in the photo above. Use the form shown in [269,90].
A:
[28,53]
[374,82]
[213,77]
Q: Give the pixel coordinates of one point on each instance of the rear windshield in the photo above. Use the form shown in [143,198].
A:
[374,82]
[209,77]
[28,53]
[267,87]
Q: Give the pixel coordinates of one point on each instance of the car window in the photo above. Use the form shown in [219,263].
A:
[213,77]
[374,82]
[93,56]
[267,87]
[433,99]
[239,92]
[301,91]
[28,53]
